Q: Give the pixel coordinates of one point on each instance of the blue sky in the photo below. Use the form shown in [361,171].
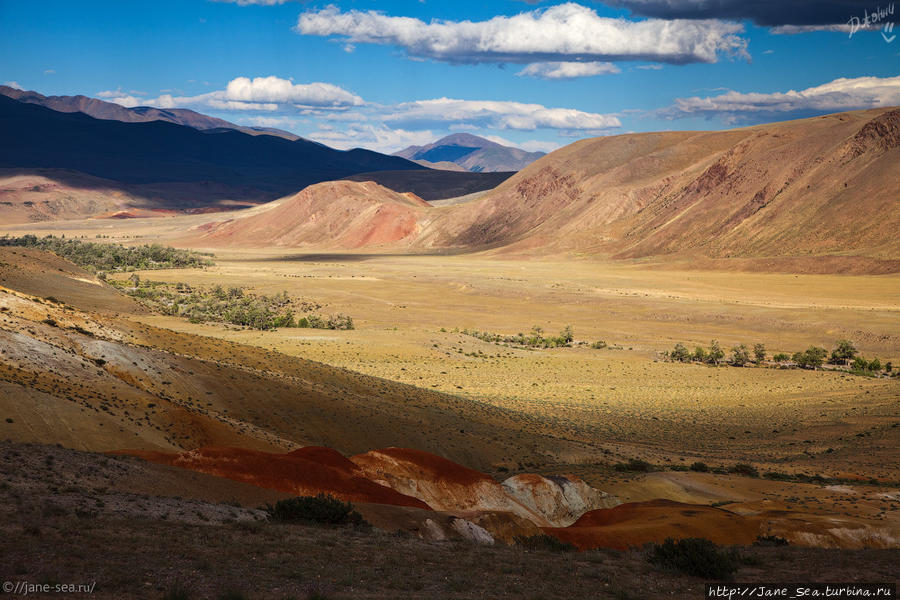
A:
[385,75]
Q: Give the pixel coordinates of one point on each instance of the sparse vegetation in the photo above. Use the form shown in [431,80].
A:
[322,509]
[693,556]
[543,543]
[232,305]
[534,339]
[770,540]
[745,469]
[102,258]
[811,358]
[635,464]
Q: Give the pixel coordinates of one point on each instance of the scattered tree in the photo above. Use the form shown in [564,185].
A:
[680,353]
[759,353]
[843,353]
[716,353]
[811,358]
[740,356]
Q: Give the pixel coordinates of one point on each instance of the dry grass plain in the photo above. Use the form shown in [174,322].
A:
[626,401]
[609,404]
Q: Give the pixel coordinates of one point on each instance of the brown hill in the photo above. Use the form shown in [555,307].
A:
[821,186]
[337,214]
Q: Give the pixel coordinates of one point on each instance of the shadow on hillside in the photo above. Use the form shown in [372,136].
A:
[338,257]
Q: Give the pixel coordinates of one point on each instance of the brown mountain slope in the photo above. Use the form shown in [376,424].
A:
[826,185]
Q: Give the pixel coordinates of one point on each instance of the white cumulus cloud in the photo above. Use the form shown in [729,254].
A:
[121,98]
[283,91]
[568,70]
[838,95]
[567,32]
[263,94]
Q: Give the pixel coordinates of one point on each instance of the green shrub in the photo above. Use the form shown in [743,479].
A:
[543,542]
[770,540]
[693,556]
[680,353]
[323,509]
[635,464]
[600,345]
[781,357]
[111,257]
[745,469]
[700,467]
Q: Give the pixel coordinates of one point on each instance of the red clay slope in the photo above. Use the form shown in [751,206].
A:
[304,472]
[334,214]
[636,523]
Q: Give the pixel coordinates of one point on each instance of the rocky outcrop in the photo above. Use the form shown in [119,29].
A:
[440,483]
[560,499]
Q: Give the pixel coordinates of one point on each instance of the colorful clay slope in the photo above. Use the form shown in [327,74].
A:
[339,214]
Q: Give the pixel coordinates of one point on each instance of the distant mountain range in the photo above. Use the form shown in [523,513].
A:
[467,152]
[134,160]
[815,195]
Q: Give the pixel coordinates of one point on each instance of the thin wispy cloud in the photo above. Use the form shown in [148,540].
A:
[374,137]
[252,2]
[500,115]
[564,33]
[568,70]
[838,95]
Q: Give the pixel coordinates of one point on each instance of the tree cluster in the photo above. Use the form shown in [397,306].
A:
[103,258]
[231,305]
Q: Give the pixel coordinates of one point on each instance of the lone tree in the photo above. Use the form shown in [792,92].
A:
[844,353]
[759,353]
